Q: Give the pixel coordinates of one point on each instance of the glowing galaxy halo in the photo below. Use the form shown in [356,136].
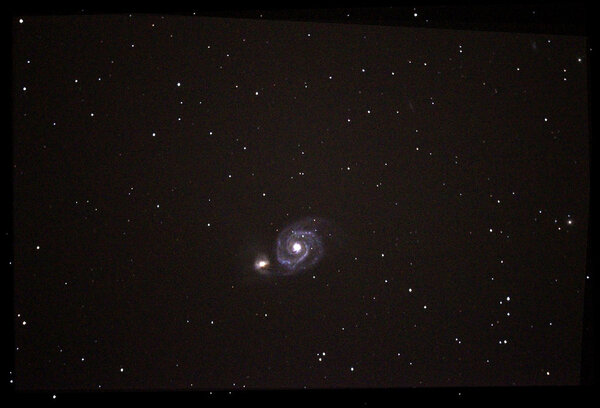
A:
[262,263]
[300,246]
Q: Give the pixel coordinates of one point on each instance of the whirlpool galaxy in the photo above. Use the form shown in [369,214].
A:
[298,247]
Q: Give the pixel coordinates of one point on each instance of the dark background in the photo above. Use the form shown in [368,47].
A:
[454,175]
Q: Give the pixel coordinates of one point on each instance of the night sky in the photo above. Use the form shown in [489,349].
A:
[436,183]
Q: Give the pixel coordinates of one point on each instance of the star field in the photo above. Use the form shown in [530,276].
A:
[167,169]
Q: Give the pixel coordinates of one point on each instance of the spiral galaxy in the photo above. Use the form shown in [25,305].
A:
[300,246]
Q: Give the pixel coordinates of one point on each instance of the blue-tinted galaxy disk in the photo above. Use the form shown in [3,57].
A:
[300,246]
